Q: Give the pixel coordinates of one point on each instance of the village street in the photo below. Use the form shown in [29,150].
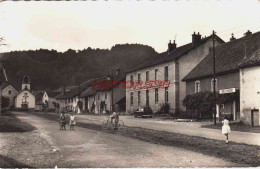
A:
[91,148]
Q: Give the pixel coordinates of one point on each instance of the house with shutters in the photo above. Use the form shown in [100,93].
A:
[171,66]
[236,83]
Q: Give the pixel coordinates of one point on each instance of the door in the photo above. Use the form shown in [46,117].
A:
[255,118]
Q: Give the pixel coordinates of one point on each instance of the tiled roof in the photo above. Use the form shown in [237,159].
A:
[253,60]
[52,93]
[228,57]
[167,57]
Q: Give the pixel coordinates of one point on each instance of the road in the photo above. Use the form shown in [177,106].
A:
[187,128]
[90,148]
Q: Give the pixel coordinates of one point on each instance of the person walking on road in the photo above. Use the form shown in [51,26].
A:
[226,128]
[72,122]
[62,121]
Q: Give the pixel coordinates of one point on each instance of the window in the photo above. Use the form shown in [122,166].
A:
[156,95]
[147,76]
[98,96]
[9,92]
[216,84]
[156,74]
[139,77]
[106,95]
[166,95]
[26,88]
[166,73]
[131,78]
[197,86]
[139,97]
[147,97]
[132,99]
[94,98]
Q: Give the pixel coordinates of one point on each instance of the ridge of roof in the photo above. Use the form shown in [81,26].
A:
[165,57]
[228,57]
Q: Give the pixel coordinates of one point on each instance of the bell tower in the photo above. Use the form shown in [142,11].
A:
[26,85]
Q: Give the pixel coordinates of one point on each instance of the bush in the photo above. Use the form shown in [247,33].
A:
[164,108]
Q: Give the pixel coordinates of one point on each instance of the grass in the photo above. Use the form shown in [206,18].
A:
[237,126]
[9,123]
[235,152]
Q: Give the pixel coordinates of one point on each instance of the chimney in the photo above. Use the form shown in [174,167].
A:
[117,71]
[248,33]
[171,46]
[232,37]
[63,90]
[196,39]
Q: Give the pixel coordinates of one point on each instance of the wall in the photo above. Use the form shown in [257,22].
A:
[249,92]
[230,80]
[11,96]
[30,99]
[155,106]
[187,63]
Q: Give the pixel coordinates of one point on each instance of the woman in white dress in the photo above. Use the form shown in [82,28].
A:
[72,122]
[226,128]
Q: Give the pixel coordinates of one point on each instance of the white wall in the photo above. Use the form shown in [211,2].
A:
[249,92]
[19,99]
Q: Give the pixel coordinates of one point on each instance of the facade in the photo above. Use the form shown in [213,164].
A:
[99,99]
[250,89]
[25,99]
[170,66]
[10,92]
[231,80]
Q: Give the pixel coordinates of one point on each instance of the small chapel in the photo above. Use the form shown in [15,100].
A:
[25,100]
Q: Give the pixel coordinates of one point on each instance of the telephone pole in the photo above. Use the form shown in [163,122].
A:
[214,79]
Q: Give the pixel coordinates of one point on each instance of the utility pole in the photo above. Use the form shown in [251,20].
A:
[214,78]
[112,91]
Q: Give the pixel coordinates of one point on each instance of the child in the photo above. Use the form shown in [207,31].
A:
[226,128]
[62,121]
[72,122]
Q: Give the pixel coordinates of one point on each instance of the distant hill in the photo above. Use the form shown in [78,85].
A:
[49,69]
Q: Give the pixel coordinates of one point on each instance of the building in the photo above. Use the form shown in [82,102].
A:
[104,94]
[229,80]
[250,88]
[25,99]
[170,66]
[49,98]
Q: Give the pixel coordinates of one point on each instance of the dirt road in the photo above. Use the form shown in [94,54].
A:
[90,148]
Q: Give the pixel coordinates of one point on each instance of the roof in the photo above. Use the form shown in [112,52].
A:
[167,57]
[228,57]
[52,93]
[253,60]
[90,91]
[38,98]
[75,91]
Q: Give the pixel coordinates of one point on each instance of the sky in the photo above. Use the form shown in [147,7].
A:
[63,25]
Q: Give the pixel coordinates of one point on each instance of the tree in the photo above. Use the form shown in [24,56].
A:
[5,102]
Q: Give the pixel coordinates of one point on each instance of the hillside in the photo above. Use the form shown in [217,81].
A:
[49,69]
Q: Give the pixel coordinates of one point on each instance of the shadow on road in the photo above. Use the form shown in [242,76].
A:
[6,162]
[10,123]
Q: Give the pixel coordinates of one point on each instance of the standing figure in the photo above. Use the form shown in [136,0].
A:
[115,119]
[226,128]
[62,121]
[72,122]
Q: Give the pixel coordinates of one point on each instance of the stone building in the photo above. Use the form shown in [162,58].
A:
[171,65]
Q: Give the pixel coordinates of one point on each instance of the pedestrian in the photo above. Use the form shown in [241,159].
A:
[226,128]
[62,121]
[72,121]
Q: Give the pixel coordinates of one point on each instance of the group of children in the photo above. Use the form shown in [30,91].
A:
[72,121]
